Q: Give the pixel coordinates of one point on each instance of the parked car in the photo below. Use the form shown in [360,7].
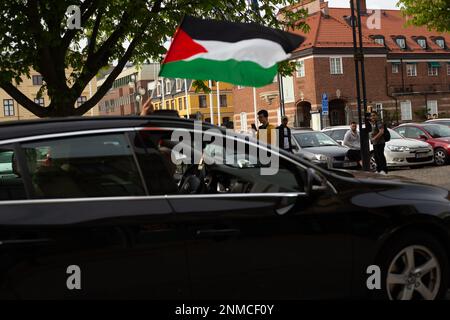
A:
[108,202]
[437,135]
[321,149]
[443,121]
[399,151]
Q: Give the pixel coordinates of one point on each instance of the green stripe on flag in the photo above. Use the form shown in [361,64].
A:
[243,73]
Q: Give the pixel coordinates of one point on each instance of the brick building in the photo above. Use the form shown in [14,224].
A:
[121,100]
[407,71]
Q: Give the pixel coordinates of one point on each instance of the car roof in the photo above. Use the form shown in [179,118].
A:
[336,128]
[305,131]
[436,120]
[25,128]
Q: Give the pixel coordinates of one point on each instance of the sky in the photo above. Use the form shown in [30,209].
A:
[372,4]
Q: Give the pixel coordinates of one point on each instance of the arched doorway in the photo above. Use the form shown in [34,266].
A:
[303,115]
[337,112]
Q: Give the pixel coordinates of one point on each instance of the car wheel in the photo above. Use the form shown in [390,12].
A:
[414,267]
[373,163]
[440,157]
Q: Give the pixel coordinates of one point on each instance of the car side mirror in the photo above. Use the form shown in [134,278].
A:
[423,137]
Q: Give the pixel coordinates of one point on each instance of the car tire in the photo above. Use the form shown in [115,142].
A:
[440,157]
[417,283]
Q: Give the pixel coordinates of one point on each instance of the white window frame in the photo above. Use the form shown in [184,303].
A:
[244,123]
[433,71]
[401,42]
[379,110]
[395,67]
[432,107]
[300,68]
[411,72]
[422,43]
[406,116]
[440,43]
[379,41]
[8,107]
[167,86]
[178,85]
[336,66]
[40,101]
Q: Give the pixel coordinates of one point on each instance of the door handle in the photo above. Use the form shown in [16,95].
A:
[217,233]
[23,241]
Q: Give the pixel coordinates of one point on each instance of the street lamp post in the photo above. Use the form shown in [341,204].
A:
[360,82]
[138,92]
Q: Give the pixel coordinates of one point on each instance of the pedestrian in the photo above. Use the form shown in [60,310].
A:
[284,135]
[378,142]
[435,116]
[265,130]
[353,142]
[429,117]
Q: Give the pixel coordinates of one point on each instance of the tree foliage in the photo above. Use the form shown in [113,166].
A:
[434,14]
[33,34]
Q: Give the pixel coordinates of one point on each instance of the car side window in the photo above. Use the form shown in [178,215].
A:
[402,131]
[86,166]
[11,182]
[414,133]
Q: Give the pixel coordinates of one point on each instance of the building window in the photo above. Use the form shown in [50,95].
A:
[406,112]
[37,80]
[433,69]
[422,43]
[223,101]
[440,43]
[167,86]
[411,70]
[395,67]
[158,89]
[202,101]
[167,105]
[81,100]
[178,85]
[8,107]
[379,41]
[448,68]
[300,69]
[244,124]
[432,106]
[39,101]
[172,105]
[401,42]
[185,103]
[336,66]
[180,104]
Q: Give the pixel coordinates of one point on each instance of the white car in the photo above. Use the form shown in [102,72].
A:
[399,151]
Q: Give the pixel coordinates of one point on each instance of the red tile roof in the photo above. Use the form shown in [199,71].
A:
[333,31]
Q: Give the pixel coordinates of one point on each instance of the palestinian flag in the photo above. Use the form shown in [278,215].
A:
[238,53]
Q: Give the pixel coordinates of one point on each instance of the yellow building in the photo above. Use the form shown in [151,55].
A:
[11,110]
[175,97]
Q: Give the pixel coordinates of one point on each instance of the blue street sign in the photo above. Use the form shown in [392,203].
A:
[324,104]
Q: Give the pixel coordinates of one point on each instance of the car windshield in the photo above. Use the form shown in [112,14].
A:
[437,130]
[395,135]
[314,139]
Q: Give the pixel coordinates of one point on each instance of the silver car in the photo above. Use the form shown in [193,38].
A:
[399,151]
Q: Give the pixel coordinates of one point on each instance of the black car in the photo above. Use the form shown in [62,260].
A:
[112,208]
[321,149]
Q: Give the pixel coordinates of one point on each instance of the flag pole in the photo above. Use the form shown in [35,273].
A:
[162,91]
[187,99]
[211,110]
[254,106]
[219,122]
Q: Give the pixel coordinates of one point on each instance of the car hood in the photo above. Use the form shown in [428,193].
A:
[444,139]
[394,188]
[331,151]
[410,143]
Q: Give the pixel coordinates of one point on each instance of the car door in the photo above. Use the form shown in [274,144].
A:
[263,236]
[90,219]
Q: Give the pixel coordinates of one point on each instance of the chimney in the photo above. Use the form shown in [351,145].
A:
[362,6]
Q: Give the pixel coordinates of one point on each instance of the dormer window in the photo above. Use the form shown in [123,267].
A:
[167,86]
[158,89]
[441,43]
[378,40]
[401,42]
[422,42]
[178,85]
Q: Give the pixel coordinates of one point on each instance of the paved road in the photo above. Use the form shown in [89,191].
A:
[439,176]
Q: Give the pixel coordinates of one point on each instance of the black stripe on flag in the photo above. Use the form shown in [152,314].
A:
[200,29]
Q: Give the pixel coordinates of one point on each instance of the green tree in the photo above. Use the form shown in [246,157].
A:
[34,34]
[435,14]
